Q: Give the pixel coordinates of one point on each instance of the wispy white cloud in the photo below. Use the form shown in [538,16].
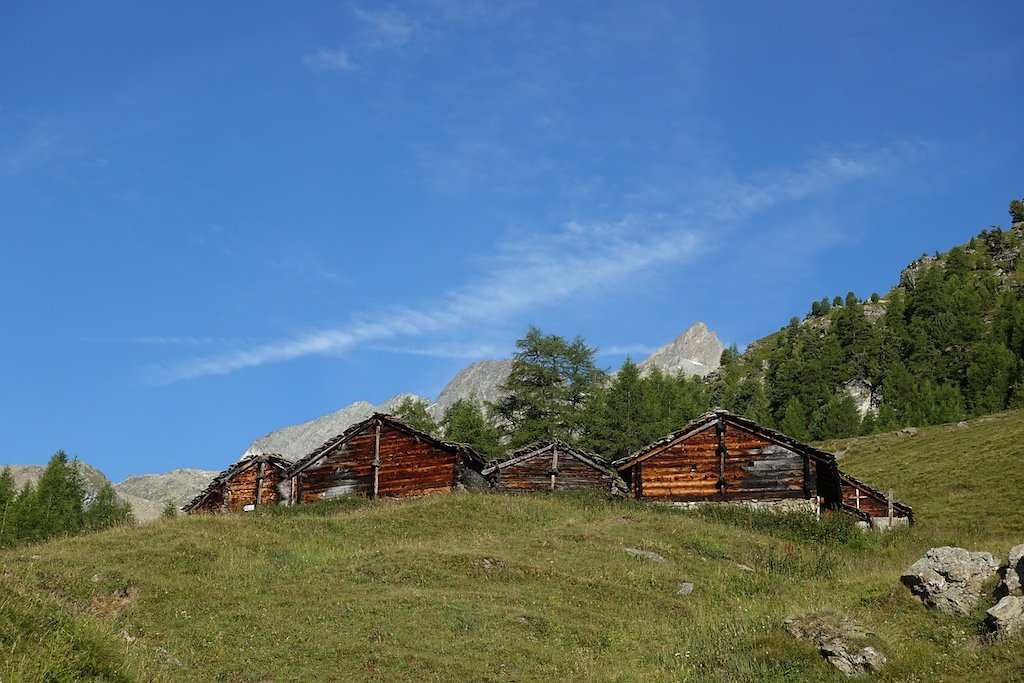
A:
[159,340]
[539,270]
[163,340]
[634,350]
[387,27]
[457,351]
[327,59]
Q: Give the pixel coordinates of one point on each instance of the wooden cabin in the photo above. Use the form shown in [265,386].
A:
[253,481]
[382,457]
[725,457]
[553,466]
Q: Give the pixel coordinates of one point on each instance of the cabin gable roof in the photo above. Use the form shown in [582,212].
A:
[899,509]
[709,420]
[537,448]
[390,421]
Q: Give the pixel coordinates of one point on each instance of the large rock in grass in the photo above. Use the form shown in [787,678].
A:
[1006,618]
[840,640]
[1013,575]
[950,579]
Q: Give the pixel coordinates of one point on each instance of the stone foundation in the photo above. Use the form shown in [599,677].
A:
[786,505]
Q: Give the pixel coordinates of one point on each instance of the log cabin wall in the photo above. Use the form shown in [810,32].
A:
[379,458]
[574,475]
[241,489]
[722,460]
[552,467]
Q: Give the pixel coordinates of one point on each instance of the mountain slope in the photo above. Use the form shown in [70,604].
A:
[490,587]
[696,352]
[479,381]
[178,486]
[295,441]
[945,344]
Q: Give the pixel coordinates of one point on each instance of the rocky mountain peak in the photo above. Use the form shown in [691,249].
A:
[480,380]
[697,351]
[296,441]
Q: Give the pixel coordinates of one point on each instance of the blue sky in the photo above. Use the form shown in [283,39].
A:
[219,220]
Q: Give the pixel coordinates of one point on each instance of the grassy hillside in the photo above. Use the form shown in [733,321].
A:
[472,587]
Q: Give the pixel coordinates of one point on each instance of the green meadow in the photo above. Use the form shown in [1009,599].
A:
[478,587]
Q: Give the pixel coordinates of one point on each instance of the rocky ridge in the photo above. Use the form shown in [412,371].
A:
[696,351]
[147,494]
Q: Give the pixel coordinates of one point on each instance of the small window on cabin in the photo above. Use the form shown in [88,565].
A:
[693,468]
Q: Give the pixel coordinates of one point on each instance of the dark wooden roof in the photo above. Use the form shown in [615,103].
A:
[536,448]
[274,459]
[385,420]
[708,419]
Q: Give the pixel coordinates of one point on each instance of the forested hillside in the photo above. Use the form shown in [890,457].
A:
[945,344]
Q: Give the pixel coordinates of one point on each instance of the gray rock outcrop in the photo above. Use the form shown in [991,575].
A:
[908,278]
[696,352]
[1012,582]
[178,486]
[840,640]
[296,441]
[950,579]
[1006,618]
[480,382]
[646,554]
[866,398]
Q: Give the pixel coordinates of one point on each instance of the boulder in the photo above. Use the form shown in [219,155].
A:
[840,640]
[646,554]
[1006,618]
[950,579]
[1013,575]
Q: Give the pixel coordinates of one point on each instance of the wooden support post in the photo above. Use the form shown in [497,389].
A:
[554,466]
[807,476]
[720,429]
[259,483]
[638,481]
[890,508]
[857,496]
[376,461]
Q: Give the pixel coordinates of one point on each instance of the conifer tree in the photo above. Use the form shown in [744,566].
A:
[56,506]
[465,422]
[106,510]
[622,415]
[546,388]
[8,496]
[413,412]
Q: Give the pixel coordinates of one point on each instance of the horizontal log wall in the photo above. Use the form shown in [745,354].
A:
[574,474]
[411,467]
[534,474]
[241,488]
[408,467]
[754,469]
